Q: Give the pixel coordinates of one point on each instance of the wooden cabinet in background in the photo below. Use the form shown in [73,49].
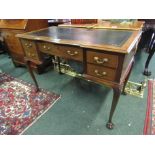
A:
[9,28]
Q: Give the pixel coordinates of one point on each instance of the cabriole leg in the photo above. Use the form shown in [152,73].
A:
[28,63]
[116,95]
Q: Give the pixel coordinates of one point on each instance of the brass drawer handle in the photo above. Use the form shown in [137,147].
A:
[30,54]
[47,48]
[72,53]
[28,45]
[100,74]
[100,61]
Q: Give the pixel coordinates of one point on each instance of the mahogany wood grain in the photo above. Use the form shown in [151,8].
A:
[70,52]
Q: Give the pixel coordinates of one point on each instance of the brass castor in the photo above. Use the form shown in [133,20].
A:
[110,125]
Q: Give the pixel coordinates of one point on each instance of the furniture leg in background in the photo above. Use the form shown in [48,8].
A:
[151,52]
[146,71]
[59,66]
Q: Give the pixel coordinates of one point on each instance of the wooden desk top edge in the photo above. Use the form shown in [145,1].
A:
[107,25]
[125,48]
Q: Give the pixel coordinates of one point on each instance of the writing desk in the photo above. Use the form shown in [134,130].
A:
[106,55]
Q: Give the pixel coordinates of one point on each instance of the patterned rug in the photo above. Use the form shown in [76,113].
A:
[21,105]
[149,126]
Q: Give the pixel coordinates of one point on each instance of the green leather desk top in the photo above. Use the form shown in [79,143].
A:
[94,36]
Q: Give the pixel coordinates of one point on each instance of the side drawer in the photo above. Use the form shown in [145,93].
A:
[99,58]
[30,49]
[47,48]
[101,72]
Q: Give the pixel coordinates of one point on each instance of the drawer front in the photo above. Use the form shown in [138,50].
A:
[102,59]
[70,52]
[101,72]
[47,48]
[30,49]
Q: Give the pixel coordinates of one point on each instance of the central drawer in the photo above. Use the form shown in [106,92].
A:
[103,59]
[101,72]
[64,51]
[70,52]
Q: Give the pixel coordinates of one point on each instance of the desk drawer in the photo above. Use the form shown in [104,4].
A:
[102,59]
[30,49]
[47,48]
[101,72]
[70,52]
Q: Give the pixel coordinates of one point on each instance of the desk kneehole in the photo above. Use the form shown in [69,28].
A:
[101,72]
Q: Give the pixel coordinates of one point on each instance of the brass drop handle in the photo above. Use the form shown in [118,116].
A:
[28,45]
[72,53]
[47,48]
[100,74]
[31,54]
[100,61]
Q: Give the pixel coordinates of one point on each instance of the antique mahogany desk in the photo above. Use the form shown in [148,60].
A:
[107,55]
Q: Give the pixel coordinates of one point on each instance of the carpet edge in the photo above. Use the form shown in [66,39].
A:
[33,122]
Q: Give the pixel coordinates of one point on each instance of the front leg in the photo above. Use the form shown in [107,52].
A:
[116,95]
[28,63]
